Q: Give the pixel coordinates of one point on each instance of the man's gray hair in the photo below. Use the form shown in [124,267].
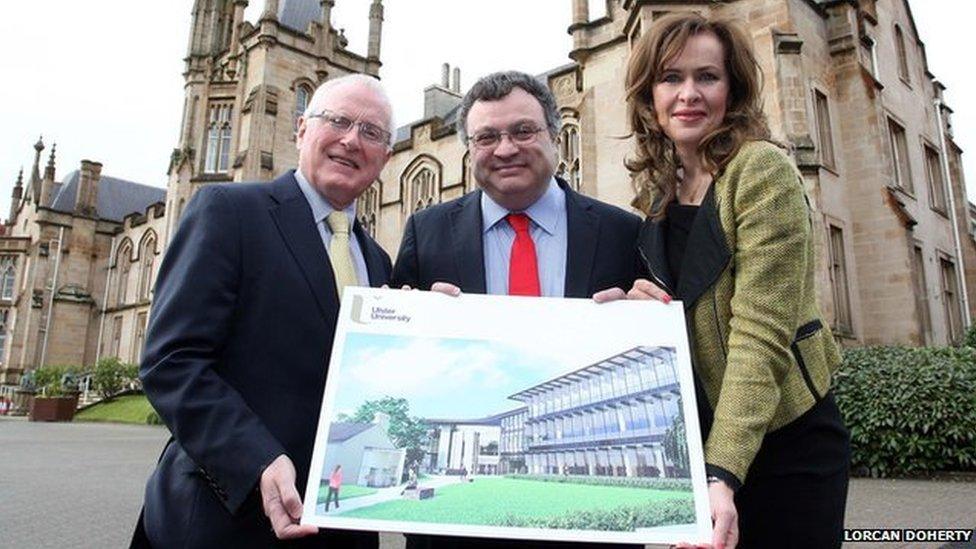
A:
[496,86]
[366,80]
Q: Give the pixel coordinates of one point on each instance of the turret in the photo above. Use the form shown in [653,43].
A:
[47,184]
[375,30]
[35,182]
[16,195]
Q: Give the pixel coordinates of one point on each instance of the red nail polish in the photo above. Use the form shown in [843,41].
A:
[667,299]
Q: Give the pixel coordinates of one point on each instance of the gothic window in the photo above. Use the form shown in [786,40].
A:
[899,155]
[569,155]
[824,133]
[147,256]
[218,138]
[838,279]
[123,264]
[302,96]
[902,54]
[421,183]
[952,306]
[3,333]
[933,169]
[367,208]
[921,293]
[467,174]
[140,338]
[116,335]
[8,276]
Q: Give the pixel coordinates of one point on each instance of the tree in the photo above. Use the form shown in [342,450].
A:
[676,444]
[405,430]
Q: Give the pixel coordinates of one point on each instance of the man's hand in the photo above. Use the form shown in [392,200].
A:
[643,289]
[280,499]
[446,288]
[725,519]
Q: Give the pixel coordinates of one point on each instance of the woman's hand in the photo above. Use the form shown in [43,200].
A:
[642,289]
[725,519]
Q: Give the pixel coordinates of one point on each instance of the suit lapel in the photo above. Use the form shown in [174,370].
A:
[582,232]
[293,218]
[375,266]
[468,243]
[706,255]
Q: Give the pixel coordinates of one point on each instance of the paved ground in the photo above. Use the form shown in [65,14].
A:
[80,485]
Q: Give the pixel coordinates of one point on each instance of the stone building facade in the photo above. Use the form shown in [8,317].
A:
[847,90]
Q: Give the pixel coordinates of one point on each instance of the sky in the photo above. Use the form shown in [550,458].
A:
[481,374]
[104,79]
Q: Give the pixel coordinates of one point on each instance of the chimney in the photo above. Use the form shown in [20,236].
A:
[375,30]
[456,83]
[440,99]
[87,198]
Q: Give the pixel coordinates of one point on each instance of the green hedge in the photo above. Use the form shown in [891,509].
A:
[909,410]
[683,484]
[620,519]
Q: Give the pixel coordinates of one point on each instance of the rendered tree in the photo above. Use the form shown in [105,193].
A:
[676,444]
[406,431]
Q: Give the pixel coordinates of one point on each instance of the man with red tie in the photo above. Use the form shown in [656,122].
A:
[524,232]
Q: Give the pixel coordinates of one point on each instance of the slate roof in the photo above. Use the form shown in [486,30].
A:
[345,430]
[297,14]
[117,198]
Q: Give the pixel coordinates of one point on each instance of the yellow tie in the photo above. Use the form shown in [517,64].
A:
[339,253]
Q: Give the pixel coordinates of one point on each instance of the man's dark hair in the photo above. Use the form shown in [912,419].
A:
[496,86]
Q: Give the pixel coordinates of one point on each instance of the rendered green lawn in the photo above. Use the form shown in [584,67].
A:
[123,409]
[346,491]
[488,499]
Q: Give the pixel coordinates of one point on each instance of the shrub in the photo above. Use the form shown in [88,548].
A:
[909,410]
[111,376]
[969,340]
[683,484]
[619,519]
[56,380]
[152,418]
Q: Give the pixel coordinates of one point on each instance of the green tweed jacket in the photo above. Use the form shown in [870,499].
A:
[759,346]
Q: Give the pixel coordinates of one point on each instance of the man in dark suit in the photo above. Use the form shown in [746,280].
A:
[525,232]
[241,332]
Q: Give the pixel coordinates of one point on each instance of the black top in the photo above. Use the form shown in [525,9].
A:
[680,218]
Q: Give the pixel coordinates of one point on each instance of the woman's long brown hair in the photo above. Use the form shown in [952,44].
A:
[654,169]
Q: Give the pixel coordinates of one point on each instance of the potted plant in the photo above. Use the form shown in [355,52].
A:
[57,396]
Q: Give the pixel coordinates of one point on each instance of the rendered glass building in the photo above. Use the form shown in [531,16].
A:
[607,418]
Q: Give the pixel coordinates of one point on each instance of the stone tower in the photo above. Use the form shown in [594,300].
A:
[247,83]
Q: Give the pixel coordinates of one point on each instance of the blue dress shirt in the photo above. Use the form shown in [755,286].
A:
[320,211]
[549,233]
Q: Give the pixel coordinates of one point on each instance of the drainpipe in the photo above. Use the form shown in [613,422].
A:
[961,278]
[54,289]
[101,320]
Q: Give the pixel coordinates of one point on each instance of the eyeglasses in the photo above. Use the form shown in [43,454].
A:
[342,124]
[520,134]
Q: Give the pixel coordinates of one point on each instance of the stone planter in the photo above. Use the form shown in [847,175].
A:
[53,408]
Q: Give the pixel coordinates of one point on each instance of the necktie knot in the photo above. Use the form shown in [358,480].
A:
[338,222]
[519,222]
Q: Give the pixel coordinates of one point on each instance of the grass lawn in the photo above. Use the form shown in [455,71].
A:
[488,499]
[346,491]
[123,409]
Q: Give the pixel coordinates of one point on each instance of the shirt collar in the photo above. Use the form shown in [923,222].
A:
[320,206]
[544,212]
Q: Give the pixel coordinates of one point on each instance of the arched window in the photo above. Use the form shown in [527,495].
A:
[302,95]
[8,275]
[569,155]
[902,54]
[147,256]
[3,334]
[467,173]
[123,264]
[367,208]
[420,185]
[218,138]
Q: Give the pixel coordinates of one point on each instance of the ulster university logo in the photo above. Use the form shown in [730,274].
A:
[364,312]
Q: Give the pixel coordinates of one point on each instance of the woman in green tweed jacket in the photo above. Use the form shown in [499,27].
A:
[728,232]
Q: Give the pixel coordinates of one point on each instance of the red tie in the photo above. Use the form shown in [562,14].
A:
[523,271]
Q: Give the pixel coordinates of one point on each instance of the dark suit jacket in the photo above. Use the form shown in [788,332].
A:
[236,355]
[444,244]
